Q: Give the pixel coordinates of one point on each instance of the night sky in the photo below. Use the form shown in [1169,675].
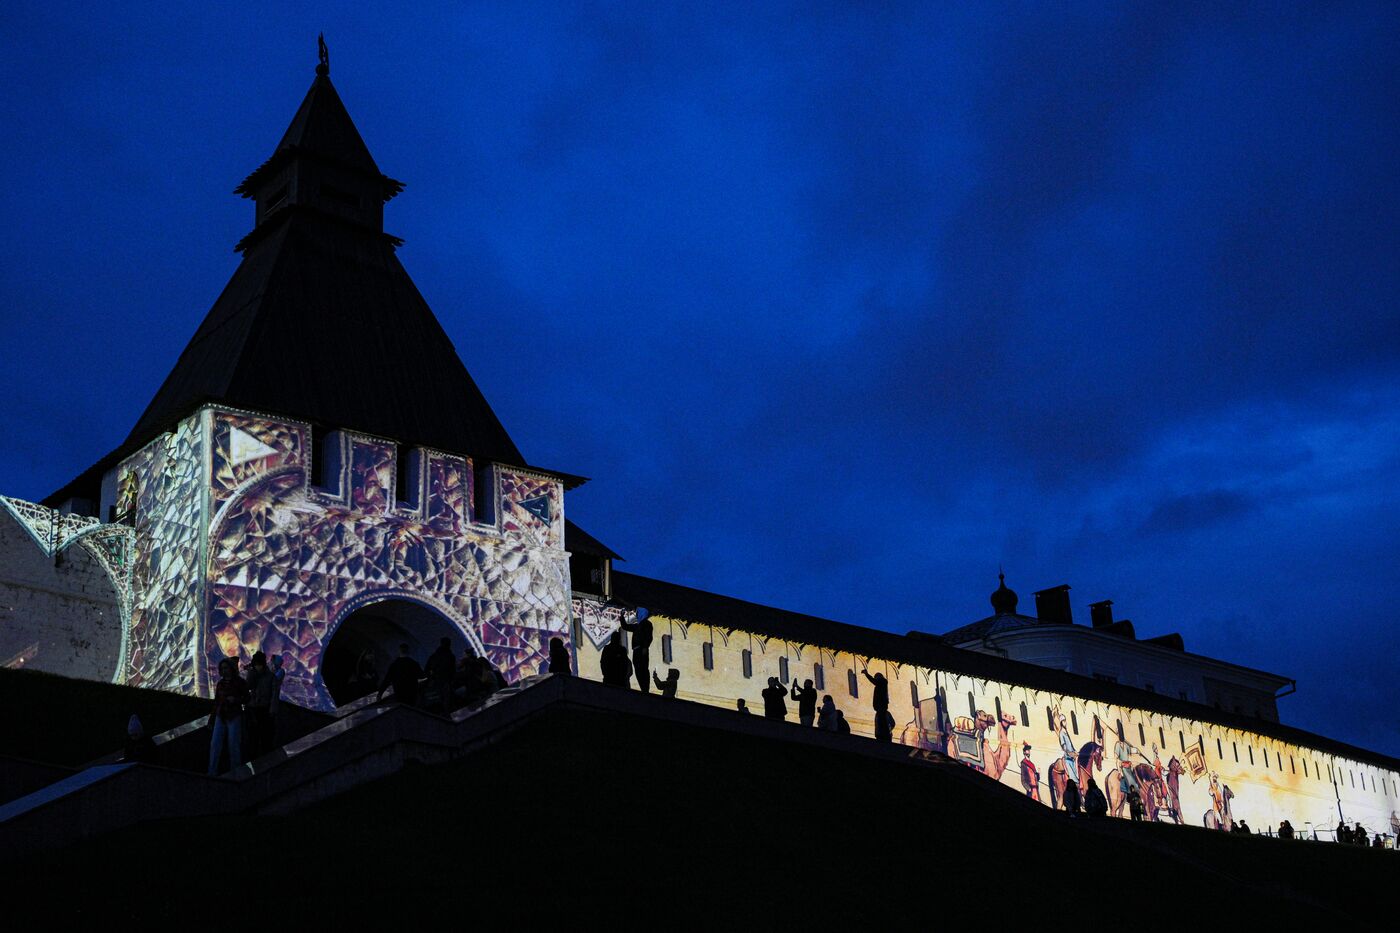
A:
[840,308]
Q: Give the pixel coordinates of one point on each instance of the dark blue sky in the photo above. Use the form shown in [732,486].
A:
[839,307]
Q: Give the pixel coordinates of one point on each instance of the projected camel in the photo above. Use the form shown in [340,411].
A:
[1089,759]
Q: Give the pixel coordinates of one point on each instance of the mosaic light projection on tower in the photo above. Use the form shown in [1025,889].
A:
[288,562]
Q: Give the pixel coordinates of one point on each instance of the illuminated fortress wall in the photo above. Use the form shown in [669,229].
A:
[1255,777]
[237,551]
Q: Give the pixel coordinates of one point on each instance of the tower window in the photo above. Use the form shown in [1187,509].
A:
[748,662]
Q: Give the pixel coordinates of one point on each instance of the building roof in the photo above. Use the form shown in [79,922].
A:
[692,605]
[321,322]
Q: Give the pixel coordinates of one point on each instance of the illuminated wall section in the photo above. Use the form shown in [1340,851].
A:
[283,562]
[1210,774]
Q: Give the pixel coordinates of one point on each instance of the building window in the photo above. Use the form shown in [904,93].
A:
[1073,722]
[914,692]
[998,703]
[707,652]
[1025,716]
[1305,767]
[1219,752]
[1050,718]
[971,705]
[783,669]
[1181,737]
[1236,749]
[1161,738]
[1142,735]
[1279,756]
[818,677]
[851,684]
[748,662]
[1251,753]
[666,649]
[1353,778]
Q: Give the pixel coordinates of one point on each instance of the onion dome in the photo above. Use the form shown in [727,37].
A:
[1004,599]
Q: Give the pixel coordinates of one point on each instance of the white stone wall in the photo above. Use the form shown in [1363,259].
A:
[58,614]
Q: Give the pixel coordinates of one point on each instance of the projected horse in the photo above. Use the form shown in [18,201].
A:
[1158,794]
[1089,760]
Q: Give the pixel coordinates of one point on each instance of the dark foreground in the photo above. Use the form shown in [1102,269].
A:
[609,819]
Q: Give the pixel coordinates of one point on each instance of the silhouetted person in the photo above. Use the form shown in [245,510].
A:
[1135,809]
[640,630]
[1360,836]
[773,696]
[672,682]
[880,699]
[884,726]
[1244,828]
[1071,797]
[1285,830]
[559,662]
[403,675]
[1095,804]
[226,719]
[440,668]
[259,712]
[826,716]
[366,675]
[1378,842]
[1343,833]
[742,706]
[806,697]
[617,670]
[278,676]
[498,679]
[140,747]
[842,726]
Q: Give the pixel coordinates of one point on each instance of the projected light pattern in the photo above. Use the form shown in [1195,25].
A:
[287,560]
[160,486]
[1195,772]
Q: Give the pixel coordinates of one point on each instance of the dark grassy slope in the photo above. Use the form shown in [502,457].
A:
[584,813]
[45,717]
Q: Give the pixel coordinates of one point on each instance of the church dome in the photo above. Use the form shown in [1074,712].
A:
[1004,599]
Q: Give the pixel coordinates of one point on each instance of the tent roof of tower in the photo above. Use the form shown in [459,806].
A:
[321,323]
[322,129]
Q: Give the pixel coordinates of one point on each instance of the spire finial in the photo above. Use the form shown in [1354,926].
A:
[324,67]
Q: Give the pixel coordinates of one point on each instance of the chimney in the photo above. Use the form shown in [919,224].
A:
[1101,613]
[1052,605]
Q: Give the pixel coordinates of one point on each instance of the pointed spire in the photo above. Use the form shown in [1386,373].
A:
[323,66]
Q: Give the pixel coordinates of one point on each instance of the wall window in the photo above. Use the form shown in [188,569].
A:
[666,649]
[1050,718]
[1305,767]
[971,705]
[1025,716]
[1353,778]
[998,702]
[851,684]
[1181,737]
[1236,749]
[1161,738]
[819,676]
[1073,722]
[1219,752]
[914,691]
[783,669]
[747,655]
[1120,729]
[1142,735]
[1250,748]
[707,652]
